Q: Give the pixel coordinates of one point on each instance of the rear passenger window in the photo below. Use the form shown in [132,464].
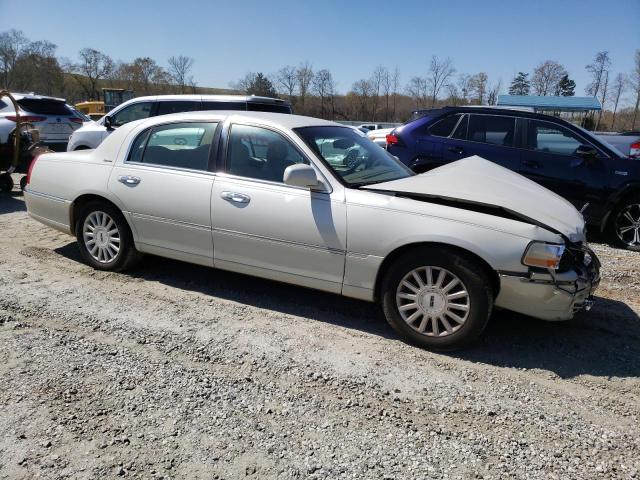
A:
[492,129]
[444,127]
[165,108]
[181,145]
[268,107]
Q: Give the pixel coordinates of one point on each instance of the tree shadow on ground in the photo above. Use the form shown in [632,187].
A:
[602,342]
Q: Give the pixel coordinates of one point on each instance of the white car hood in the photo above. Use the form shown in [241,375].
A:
[475,180]
[91,126]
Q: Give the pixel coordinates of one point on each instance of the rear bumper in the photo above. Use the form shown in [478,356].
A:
[548,297]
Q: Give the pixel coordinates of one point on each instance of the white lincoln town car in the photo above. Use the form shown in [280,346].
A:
[312,203]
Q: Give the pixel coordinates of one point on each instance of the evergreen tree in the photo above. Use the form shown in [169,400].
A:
[261,86]
[566,87]
[520,84]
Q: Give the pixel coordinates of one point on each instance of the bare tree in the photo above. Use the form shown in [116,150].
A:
[323,86]
[454,93]
[597,69]
[494,91]
[304,75]
[245,83]
[604,90]
[376,81]
[395,89]
[478,86]
[417,90]
[179,69]
[287,81]
[619,85]
[546,77]
[362,91]
[94,66]
[464,86]
[12,46]
[440,72]
[635,84]
[386,91]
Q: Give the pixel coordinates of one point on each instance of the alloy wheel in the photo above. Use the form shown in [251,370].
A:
[433,301]
[628,225]
[101,236]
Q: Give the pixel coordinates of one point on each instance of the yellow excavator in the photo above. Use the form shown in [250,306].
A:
[113,97]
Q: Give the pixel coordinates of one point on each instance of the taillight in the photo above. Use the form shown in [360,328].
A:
[392,139]
[31,165]
[26,118]
[76,120]
[635,150]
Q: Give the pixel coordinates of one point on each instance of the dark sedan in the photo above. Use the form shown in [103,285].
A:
[563,157]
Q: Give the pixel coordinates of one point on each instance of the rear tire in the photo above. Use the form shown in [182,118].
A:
[624,224]
[437,298]
[104,238]
[23,183]
[6,182]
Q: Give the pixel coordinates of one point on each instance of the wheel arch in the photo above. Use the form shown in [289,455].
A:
[616,201]
[85,198]
[405,249]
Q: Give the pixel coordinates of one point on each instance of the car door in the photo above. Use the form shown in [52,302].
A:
[492,137]
[550,159]
[266,228]
[164,182]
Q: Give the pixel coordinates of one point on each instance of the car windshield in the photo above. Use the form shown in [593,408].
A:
[355,159]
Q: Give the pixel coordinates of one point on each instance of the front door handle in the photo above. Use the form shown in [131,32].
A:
[129,180]
[531,164]
[458,150]
[235,197]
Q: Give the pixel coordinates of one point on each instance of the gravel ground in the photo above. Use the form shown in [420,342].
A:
[178,371]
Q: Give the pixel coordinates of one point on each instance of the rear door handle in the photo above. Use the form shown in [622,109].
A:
[129,180]
[458,150]
[531,164]
[235,197]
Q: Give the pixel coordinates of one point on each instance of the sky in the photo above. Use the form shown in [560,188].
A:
[227,39]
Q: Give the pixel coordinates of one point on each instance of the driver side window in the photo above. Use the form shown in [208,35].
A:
[137,111]
[551,138]
[260,153]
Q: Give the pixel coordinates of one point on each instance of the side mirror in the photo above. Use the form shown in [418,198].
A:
[586,151]
[300,175]
[108,122]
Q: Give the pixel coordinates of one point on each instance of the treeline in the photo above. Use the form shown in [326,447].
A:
[27,65]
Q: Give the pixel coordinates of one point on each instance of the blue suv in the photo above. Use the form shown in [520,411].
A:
[594,176]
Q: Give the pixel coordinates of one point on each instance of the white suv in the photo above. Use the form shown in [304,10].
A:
[91,134]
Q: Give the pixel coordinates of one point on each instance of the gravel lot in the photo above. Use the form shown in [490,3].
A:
[178,371]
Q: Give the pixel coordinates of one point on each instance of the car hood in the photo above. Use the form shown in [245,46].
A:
[478,184]
[91,126]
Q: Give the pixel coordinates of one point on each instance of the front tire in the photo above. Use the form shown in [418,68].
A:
[437,298]
[624,226]
[104,238]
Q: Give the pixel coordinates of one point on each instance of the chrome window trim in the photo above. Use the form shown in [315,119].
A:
[328,188]
[127,154]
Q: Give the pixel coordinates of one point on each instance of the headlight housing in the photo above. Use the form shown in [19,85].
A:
[543,255]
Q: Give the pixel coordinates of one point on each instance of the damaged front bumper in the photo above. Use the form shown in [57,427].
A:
[553,295]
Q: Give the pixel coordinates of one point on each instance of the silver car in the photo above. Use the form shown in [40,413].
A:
[266,195]
[52,117]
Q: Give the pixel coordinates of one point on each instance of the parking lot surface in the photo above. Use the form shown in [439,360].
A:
[179,371]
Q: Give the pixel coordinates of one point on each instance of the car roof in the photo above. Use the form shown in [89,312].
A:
[488,109]
[33,96]
[213,98]
[285,120]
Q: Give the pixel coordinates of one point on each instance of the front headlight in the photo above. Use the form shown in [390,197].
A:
[543,255]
